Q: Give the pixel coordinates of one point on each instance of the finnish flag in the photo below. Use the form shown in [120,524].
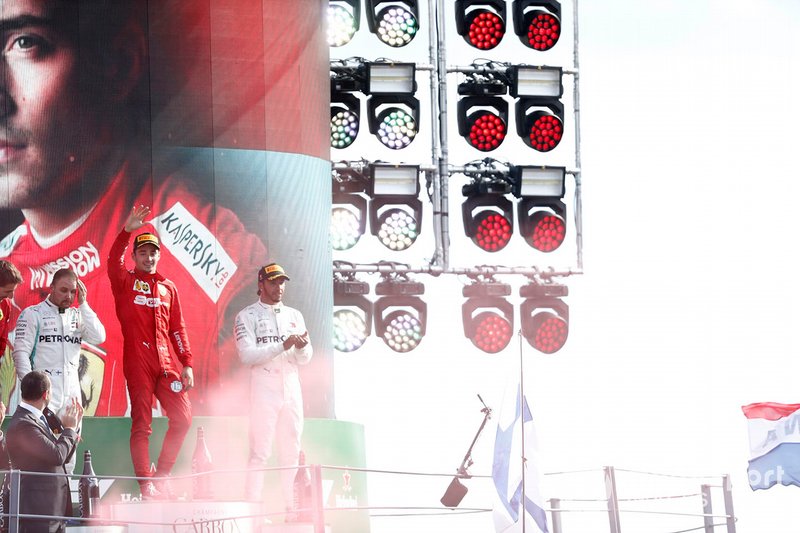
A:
[516,422]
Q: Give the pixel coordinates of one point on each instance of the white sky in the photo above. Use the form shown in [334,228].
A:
[686,308]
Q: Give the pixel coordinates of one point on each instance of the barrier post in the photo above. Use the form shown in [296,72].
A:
[555,514]
[708,520]
[730,521]
[611,496]
[13,502]
[317,505]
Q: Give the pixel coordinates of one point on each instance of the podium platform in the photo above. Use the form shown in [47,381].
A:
[197,515]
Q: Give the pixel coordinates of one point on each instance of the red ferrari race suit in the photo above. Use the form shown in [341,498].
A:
[149,307]
[205,250]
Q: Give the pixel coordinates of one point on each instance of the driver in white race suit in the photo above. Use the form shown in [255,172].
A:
[272,339]
[48,338]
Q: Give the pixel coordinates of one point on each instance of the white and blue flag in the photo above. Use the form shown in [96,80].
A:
[510,516]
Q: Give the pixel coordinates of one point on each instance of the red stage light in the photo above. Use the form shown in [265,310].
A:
[492,231]
[486,29]
[545,132]
[492,332]
[544,29]
[549,332]
[548,232]
[487,131]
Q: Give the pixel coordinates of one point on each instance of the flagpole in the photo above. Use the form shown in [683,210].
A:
[522,427]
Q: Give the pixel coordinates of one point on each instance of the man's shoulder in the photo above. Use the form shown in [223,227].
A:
[253,309]
[34,311]
[21,416]
[251,312]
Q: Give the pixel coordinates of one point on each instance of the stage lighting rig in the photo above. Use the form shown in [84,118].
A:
[392,109]
[487,317]
[540,122]
[394,22]
[535,81]
[400,315]
[390,78]
[487,213]
[539,112]
[345,119]
[537,23]
[352,316]
[482,113]
[346,78]
[344,20]
[348,207]
[482,23]
[544,316]
[540,211]
[395,213]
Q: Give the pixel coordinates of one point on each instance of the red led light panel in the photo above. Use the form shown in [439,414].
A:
[551,333]
[486,30]
[487,132]
[493,231]
[543,31]
[492,332]
[546,131]
[549,231]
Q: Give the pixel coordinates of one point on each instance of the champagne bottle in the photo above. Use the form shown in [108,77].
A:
[201,462]
[302,491]
[89,489]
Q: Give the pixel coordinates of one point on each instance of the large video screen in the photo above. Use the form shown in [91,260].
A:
[214,114]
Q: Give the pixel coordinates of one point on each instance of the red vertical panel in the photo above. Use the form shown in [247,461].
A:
[297,87]
[237,74]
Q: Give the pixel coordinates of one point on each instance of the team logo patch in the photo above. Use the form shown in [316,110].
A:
[176,386]
[162,290]
[141,286]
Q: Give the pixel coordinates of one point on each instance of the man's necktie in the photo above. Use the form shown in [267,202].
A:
[44,423]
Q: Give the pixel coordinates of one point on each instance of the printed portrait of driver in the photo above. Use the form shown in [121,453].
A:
[75,155]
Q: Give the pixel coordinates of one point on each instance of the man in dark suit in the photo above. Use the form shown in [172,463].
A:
[32,447]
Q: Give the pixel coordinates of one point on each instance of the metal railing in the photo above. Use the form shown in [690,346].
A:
[316,511]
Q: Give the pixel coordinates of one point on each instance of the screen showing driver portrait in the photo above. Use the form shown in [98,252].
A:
[194,109]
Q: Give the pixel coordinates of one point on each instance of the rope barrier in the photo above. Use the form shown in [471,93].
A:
[667,475]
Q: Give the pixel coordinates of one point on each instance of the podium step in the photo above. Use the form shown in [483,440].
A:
[187,516]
